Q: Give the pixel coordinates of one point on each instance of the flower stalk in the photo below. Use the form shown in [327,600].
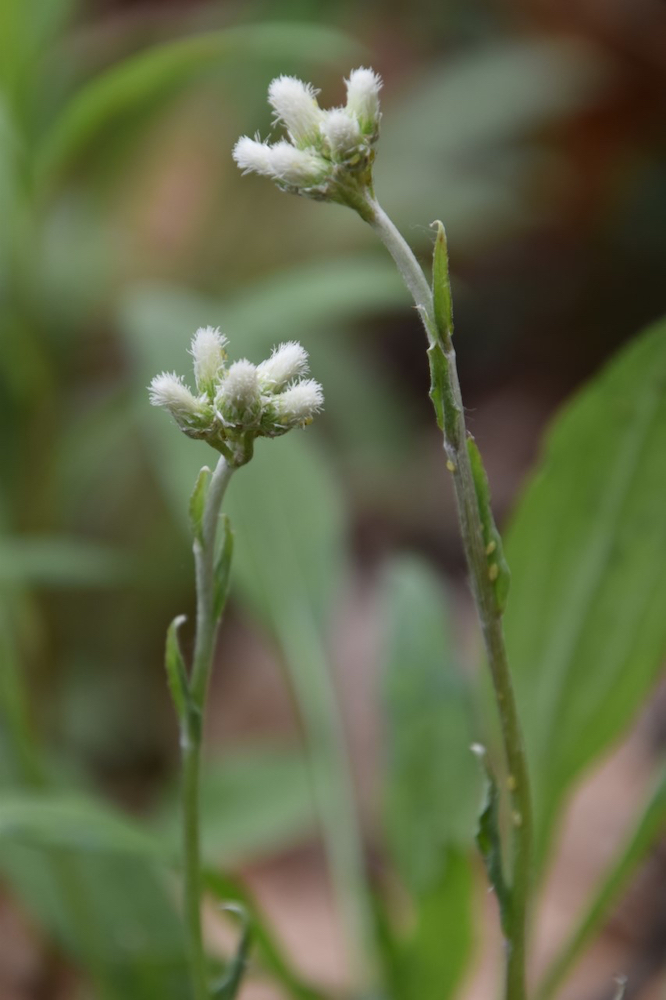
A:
[487,575]
[233,406]
[329,157]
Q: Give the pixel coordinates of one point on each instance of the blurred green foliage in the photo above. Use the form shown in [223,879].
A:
[124,228]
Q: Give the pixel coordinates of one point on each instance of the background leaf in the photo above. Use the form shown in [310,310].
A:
[432,781]
[164,69]
[252,801]
[585,624]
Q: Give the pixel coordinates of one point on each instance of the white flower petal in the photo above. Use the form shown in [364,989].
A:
[295,105]
[287,362]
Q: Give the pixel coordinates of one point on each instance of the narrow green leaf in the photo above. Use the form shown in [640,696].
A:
[227,988]
[489,841]
[446,410]
[441,286]
[498,569]
[649,829]
[270,952]
[223,567]
[164,69]
[198,501]
[72,822]
[53,561]
[175,669]
[586,630]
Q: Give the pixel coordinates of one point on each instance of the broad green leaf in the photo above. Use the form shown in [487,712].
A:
[435,955]
[52,561]
[72,822]
[252,802]
[112,913]
[432,782]
[287,517]
[586,629]
[164,69]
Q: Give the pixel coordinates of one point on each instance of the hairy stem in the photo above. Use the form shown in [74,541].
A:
[204,645]
[489,616]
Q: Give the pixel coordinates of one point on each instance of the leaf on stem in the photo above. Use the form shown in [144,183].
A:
[198,502]
[269,950]
[441,286]
[446,409]
[489,841]
[227,988]
[498,570]
[175,668]
[223,567]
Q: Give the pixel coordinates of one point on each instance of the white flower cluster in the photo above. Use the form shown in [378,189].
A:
[237,403]
[326,149]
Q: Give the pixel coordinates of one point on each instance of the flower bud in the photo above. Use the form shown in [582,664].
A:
[297,168]
[297,405]
[287,362]
[239,398]
[189,412]
[209,356]
[342,133]
[253,156]
[295,104]
[363,88]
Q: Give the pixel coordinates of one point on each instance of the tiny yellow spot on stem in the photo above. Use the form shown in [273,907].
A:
[490,547]
[450,466]
[517,819]
[511,783]
[493,572]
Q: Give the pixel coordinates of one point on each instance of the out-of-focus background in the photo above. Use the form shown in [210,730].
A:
[534,130]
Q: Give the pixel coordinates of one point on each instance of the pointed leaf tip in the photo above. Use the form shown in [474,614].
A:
[198,502]
[223,567]
[441,285]
[175,668]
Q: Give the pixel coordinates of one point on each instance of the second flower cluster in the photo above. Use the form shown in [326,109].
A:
[237,403]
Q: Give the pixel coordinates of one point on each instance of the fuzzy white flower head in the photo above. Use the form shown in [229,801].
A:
[297,168]
[287,362]
[239,396]
[297,405]
[208,351]
[363,88]
[253,156]
[341,132]
[167,390]
[295,105]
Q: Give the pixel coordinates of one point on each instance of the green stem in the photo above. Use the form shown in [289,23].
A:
[204,646]
[489,616]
